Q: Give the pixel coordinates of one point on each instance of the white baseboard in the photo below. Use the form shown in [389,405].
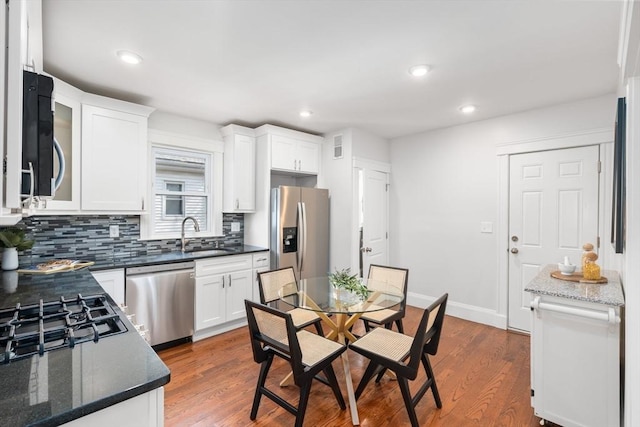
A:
[462,311]
[216,330]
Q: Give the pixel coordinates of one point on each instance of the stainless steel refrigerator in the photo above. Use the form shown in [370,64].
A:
[300,230]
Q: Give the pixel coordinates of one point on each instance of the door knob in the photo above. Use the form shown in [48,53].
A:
[514,250]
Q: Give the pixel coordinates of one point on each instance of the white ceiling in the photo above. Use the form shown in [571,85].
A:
[255,62]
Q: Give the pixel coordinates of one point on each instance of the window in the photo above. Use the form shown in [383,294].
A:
[185,180]
[183,184]
[182,189]
[173,204]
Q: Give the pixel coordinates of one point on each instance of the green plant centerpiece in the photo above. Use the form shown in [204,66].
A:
[341,279]
[15,238]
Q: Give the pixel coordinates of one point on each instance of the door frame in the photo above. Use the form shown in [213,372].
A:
[603,137]
[360,163]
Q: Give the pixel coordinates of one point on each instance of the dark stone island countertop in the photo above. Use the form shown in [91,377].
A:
[69,383]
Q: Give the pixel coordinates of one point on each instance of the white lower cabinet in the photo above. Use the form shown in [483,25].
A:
[575,362]
[260,264]
[145,410]
[222,285]
[112,281]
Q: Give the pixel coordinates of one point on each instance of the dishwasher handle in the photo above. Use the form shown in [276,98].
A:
[159,268]
[605,316]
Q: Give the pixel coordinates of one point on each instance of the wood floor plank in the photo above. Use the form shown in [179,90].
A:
[482,375]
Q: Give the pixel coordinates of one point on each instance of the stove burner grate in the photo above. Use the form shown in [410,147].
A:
[45,326]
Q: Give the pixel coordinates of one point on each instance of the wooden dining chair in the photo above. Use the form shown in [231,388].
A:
[273,334]
[387,278]
[271,282]
[402,354]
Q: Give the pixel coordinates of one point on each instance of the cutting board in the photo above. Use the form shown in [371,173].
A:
[66,265]
[576,277]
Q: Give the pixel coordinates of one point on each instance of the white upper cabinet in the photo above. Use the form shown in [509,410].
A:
[23,52]
[114,155]
[294,155]
[239,194]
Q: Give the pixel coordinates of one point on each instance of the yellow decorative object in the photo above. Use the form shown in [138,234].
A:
[588,249]
[591,271]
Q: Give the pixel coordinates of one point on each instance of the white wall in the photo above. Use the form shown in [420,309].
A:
[369,146]
[168,122]
[337,176]
[338,179]
[630,82]
[445,182]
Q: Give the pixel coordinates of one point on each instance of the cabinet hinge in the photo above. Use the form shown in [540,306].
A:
[386,234]
[598,244]
[4,165]
[386,187]
[533,393]
[599,166]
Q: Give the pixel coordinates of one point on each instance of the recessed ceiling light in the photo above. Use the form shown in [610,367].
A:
[306,113]
[129,57]
[468,109]
[419,70]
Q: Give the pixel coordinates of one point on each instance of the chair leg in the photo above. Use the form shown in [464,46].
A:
[366,377]
[406,396]
[305,390]
[380,375]
[333,382]
[434,388]
[399,325]
[318,326]
[367,326]
[264,370]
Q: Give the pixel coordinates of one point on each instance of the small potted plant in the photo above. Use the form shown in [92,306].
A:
[351,284]
[13,240]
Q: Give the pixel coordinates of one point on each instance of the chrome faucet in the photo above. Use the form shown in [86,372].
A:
[196,227]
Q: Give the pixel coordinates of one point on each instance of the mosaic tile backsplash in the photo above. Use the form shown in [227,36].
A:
[87,237]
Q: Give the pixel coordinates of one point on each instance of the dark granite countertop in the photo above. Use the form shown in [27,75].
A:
[68,383]
[136,260]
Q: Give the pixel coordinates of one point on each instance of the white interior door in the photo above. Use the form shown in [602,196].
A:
[374,218]
[553,211]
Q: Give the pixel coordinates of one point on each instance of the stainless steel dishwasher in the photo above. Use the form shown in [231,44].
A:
[162,299]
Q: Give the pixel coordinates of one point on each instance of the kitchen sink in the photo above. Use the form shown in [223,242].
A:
[210,252]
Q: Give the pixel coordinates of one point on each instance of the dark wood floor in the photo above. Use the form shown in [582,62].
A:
[482,374]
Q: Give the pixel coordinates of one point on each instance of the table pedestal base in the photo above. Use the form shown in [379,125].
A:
[340,333]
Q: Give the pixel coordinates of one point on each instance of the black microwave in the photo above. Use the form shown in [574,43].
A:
[37,136]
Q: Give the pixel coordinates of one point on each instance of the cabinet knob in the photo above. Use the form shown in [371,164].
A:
[514,250]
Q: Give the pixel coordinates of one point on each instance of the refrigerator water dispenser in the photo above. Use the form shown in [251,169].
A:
[289,239]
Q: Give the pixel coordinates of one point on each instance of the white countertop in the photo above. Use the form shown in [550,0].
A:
[609,293]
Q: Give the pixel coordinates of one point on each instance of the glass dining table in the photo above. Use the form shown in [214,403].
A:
[340,310]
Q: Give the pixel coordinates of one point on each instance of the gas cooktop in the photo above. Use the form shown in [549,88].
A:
[44,326]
